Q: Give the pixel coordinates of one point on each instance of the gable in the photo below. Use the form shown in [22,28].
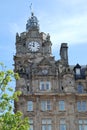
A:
[44,62]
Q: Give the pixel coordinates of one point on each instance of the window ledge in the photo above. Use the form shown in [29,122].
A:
[62,110]
[30,111]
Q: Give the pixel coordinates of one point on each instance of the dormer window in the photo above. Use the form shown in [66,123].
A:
[77,71]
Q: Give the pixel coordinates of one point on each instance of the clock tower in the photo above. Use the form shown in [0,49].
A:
[34,62]
[49,87]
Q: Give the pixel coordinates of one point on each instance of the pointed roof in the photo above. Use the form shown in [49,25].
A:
[77,66]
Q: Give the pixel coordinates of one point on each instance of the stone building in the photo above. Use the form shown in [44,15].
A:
[54,93]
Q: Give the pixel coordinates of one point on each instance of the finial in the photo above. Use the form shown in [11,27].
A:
[32,21]
[31,9]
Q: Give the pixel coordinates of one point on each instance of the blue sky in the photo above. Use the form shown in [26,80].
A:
[64,20]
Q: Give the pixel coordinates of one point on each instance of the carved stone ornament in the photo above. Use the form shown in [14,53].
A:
[68,83]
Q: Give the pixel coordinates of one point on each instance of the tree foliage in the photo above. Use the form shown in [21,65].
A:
[8,119]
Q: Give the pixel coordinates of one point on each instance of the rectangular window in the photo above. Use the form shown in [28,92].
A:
[82,106]
[79,106]
[82,124]
[46,124]
[77,71]
[42,86]
[61,105]
[45,105]
[62,124]
[29,106]
[45,86]
[48,86]
[80,88]
[30,124]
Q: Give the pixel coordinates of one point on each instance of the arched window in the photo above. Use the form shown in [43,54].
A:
[80,88]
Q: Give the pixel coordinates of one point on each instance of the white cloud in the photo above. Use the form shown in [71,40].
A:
[71,30]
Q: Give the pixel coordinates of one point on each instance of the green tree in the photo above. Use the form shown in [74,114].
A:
[8,119]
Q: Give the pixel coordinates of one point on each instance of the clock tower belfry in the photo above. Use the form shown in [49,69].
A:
[32,23]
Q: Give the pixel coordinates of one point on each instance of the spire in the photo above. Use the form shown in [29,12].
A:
[32,22]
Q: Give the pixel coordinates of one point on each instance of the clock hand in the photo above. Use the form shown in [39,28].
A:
[33,44]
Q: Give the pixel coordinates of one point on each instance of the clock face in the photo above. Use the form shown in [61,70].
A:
[33,46]
[44,71]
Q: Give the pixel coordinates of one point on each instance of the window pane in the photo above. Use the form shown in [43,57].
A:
[30,121]
[85,127]
[43,105]
[31,127]
[46,124]
[43,127]
[81,127]
[80,121]
[42,86]
[61,105]
[30,124]
[62,127]
[30,106]
[45,86]
[48,86]
[48,121]
[62,121]
[48,105]
[85,121]
[62,124]
[48,127]
[82,124]
[44,121]
[83,106]
[79,106]
[77,71]
[80,88]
